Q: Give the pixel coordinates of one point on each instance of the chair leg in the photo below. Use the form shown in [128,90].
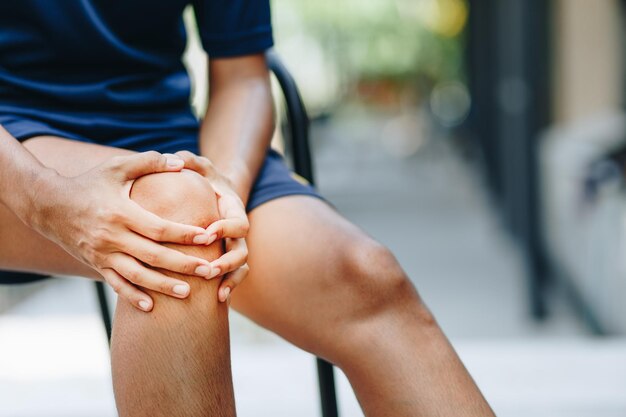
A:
[104,308]
[328,396]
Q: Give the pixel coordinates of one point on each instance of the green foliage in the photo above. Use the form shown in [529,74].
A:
[381,39]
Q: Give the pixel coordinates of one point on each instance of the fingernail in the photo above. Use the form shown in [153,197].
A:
[181,289]
[174,162]
[211,238]
[144,305]
[226,293]
[214,272]
[203,270]
[201,239]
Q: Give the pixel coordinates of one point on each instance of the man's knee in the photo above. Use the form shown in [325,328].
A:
[377,282]
[184,197]
[370,268]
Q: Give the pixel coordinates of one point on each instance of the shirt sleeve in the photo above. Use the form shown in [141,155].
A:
[234,27]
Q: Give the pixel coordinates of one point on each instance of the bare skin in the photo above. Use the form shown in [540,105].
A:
[315,279]
[345,299]
[175,361]
[151,376]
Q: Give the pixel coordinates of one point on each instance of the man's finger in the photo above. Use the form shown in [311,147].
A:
[160,256]
[137,165]
[194,162]
[234,258]
[231,281]
[154,227]
[228,228]
[131,270]
[126,290]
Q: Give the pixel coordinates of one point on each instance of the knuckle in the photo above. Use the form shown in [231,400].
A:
[117,162]
[185,154]
[152,155]
[150,258]
[219,231]
[188,236]
[226,266]
[189,268]
[133,276]
[163,285]
[116,286]
[154,159]
[158,232]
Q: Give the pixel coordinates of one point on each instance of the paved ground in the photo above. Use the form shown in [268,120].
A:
[431,211]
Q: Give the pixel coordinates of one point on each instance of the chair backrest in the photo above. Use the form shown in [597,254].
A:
[297,118]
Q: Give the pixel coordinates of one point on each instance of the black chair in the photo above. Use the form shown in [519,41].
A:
[298,129]
[297,133]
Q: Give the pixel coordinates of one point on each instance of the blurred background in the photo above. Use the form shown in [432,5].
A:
[483,141]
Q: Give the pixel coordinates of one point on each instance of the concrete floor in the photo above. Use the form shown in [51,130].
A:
[430,209]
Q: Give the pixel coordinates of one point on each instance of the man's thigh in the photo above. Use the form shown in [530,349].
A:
[23,249]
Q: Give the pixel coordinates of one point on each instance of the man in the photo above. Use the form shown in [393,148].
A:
[86,84]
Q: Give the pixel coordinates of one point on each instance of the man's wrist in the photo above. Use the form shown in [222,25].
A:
[240,178]
[38,195]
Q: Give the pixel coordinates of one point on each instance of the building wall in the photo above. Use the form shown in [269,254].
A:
[587,45]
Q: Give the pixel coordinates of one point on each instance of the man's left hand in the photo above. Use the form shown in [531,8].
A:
[232,227]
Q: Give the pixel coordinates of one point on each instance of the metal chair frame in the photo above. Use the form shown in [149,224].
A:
[298,133]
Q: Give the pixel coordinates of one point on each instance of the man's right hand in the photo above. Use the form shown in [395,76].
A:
[93,218]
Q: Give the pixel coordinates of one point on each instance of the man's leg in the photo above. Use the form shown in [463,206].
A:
[317,281]
[164,363]
[321,283]
[173,361]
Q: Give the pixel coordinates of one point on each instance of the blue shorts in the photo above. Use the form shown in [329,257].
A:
[274,180]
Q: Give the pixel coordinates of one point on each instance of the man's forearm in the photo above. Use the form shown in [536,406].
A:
[238,127]
[19,175]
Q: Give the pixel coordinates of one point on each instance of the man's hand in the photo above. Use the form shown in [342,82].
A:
[232,227]
[93,218]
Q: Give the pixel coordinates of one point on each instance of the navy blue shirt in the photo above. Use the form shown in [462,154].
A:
[110,71]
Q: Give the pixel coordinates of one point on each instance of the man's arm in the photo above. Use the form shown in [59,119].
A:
[234,136]
[239,122]
[90,215]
